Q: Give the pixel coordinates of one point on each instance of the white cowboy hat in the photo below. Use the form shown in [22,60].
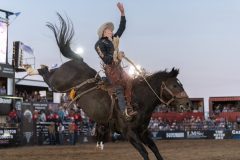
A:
[103,27]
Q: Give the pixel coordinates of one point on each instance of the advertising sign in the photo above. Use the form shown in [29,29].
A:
[3,42]
[219,134]
[6,70]
[196,135]
[175,135]
[27,121]
[235,134]
[5,105]
[8,136]
[40,106]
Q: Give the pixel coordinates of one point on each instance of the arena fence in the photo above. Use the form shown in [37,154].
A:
[196,134]
[12,136]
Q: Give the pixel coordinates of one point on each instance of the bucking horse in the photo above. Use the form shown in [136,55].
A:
[162,87]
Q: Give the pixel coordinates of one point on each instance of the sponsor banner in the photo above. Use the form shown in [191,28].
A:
[174,135]
[8,102]
[218,134]
[235,134]
[168,135]
[221,134]
[9,136]
[38,106]
[208,134]
[196,135]
[159,135]
[27,121]
[5,105]
[7,71]
[42,134]
[156,135]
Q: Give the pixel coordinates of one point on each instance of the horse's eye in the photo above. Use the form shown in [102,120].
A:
[174,86]
[179,83]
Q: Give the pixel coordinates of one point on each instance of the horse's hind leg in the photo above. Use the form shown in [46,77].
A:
[97,145]
[134,140]
[147,140]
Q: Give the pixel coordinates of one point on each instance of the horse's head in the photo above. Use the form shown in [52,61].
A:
[172,92]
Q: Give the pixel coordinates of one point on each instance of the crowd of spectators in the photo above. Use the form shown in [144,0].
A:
[61,123]
[192,123]
[65,123]
[165,109]
[219,108]
[33,96]
[214,122]
[67,120]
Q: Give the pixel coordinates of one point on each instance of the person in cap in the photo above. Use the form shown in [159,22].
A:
[108,51]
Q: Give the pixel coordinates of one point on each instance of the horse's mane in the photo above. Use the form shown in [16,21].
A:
[158,75]
[164,74]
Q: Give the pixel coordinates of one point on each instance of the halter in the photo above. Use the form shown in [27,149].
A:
[177,96]
[163,87]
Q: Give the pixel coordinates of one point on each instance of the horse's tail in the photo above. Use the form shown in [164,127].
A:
[63,35]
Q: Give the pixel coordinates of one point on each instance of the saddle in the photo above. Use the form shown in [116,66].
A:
[105,85]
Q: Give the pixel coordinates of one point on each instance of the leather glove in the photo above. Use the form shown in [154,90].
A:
[115,43]
[115,57]
[120,55]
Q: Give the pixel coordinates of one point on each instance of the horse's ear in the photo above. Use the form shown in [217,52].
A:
[174,72]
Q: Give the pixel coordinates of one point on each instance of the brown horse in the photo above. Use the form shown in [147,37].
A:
[96,103]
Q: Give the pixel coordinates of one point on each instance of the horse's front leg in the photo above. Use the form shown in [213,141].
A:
[147,140]
[135,141]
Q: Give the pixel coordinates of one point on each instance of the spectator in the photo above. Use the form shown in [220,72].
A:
[13,116]
[64,98]
[238,122]
[41,135]
[3,90]
[71,129]
[42,116]
[36,115]
[52,132]
[61,130]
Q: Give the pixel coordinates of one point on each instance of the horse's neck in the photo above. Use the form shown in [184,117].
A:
[147,100]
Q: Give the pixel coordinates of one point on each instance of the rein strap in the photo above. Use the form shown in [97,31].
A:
[131,62]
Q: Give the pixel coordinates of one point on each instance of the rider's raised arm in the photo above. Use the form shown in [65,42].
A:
[122,24]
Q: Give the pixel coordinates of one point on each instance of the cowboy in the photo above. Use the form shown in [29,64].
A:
[107,49]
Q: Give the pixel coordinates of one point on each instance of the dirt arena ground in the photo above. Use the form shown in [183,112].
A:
[171,150]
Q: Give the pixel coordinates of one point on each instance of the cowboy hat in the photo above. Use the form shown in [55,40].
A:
[103,27]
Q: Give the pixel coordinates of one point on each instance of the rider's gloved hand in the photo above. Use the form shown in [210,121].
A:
[115,43]
[120,55]
[115,57]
